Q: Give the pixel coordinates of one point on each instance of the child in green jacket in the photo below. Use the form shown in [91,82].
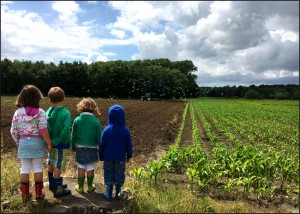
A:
[59,123]
[86,134]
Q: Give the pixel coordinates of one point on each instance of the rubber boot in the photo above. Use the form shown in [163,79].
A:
[108,194]
[58,189]
[39,192]
[118,190]
[51,185]
[26,195]
[91,186]
[79,186]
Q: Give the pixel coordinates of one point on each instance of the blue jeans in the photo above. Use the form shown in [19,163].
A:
[114,172]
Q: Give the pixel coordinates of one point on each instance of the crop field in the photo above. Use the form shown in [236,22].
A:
[227,149]
[237,149]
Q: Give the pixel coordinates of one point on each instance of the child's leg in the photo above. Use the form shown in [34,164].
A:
[24,178]
[59,163]
[50,162]
[81,177]
[119,176]
[50,169]
[90,177]
[108,167]
[38,177]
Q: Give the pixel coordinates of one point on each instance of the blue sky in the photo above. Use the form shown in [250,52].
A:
[231,43]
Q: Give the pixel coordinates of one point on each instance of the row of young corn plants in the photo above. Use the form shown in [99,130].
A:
[271,167]
[241,169]
[210,133]
[177,141]
[264,130]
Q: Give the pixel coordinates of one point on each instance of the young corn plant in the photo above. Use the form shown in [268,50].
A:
[191,174]
[154,168]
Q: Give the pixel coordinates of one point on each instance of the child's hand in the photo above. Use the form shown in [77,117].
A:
[48,148]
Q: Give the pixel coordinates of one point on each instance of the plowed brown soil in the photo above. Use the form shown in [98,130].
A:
[151,123]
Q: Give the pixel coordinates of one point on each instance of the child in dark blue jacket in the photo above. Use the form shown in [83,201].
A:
[115,148]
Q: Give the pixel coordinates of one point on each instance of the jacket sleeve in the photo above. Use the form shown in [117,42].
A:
[102,144]
[43,127]
[128,145]
[65,132]
[73,135]
[14,127]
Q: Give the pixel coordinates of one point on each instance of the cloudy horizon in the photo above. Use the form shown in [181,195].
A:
[231,43]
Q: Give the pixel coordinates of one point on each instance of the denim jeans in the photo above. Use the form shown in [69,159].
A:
[86,155]
[114,172]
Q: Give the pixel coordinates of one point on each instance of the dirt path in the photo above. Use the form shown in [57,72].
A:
[187,132]
[76,202]
[206,144]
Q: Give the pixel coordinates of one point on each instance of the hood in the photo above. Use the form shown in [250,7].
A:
[116,115]
[29,113]
[51,116]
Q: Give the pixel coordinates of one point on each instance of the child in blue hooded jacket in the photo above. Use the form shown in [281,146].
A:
[115,148]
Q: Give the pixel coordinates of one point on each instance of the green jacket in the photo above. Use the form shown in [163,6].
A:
[86,130]
[59,123]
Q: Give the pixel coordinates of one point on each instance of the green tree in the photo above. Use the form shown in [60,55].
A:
[252,94]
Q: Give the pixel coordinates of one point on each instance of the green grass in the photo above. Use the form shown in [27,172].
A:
[10,177]
[176,198]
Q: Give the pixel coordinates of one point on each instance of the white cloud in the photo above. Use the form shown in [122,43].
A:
[92,2]
[118,33]
[238,42]
[26,35]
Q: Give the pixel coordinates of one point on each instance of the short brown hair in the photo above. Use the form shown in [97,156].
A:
[30,95]
[88,105]
[56,94]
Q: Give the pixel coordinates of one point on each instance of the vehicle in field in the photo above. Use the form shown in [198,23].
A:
[150,97]
[147,96]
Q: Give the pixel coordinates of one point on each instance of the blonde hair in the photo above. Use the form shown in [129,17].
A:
[88,105]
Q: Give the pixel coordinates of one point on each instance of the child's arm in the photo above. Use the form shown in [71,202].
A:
[14,128]
[47,138]
[102,143]
[73,135]
[128,146]
[44,130]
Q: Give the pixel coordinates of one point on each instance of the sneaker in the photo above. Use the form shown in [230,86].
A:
[78,189]
[91,188]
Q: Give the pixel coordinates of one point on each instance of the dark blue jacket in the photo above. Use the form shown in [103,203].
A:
[115,143]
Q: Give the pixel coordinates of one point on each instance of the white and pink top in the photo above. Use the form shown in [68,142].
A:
[28,122]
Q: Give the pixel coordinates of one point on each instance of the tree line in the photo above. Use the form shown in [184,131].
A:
[280,91]
[128,79]
[113,79]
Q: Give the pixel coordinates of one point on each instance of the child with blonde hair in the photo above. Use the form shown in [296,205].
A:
[29,131]
[86,134]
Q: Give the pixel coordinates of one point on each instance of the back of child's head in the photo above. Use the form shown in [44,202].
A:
[30,95]
[88,105]
[56,94]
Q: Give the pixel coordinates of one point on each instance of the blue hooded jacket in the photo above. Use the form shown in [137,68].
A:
[115,143]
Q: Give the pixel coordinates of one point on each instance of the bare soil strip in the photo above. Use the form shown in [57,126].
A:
[207,145]
[220,135]
[187,132]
